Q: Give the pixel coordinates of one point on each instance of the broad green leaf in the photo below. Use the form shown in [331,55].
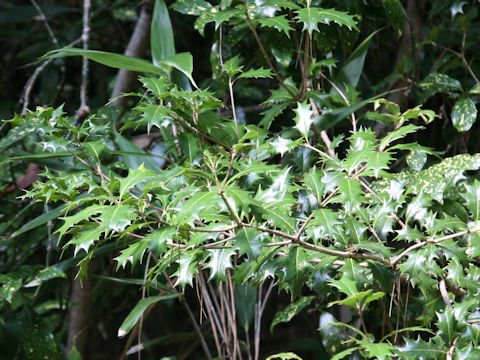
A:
[219,261]
[16,134]
[39,221]
[303,119]
[134,177]
[464,114]
[291,310]
[352,69]
[191,7]
[279,23]
[475,90]
[183,62]
[245,300]
[447,326]
[343,354]
[395,14]
[310,18]
[435,83]
[37,340]
[108,59]
[134,161]
[137,312]
[416,159]
[46,274]
[162,44]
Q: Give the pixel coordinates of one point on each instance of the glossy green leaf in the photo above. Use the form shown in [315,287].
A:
[291,310]
[395,14]
[303,118]
[279,23]
[137,312]
[191,7]
[134,177]
[416,159]
[284,356]
[435,83]
[310,18]
[108,59]
[219,261]
[464,114]
[39,221]
[37,340]
[472,199]
[256,74]
[162,43]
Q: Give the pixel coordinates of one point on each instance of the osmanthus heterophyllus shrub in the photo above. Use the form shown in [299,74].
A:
[356,222]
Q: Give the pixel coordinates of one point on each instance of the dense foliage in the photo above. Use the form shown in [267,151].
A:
[304,166]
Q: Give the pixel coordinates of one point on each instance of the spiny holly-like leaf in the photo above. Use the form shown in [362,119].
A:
[423,350]
[449,223]
[351,193]
[132,254]
[313,182]
[447,326]
[303,119]
[310,17]
[380,351]
[83,240]
[80,216]
[280,218]
[158,86]
[191,208]
[249,241]
[219,261]
[156,115]
[290,311]
[134,177]
[345,285]
[464,114]
[216,15]
[293,273]
[232,66]
[256,73]
[279,23]
[117,217]
[472,198]
[187,267]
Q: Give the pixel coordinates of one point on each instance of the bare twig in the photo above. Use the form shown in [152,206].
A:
[84,110]
[443,291]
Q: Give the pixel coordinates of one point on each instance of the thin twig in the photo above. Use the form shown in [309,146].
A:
[84,110]
[344,98]
[265,55]
[443,291]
